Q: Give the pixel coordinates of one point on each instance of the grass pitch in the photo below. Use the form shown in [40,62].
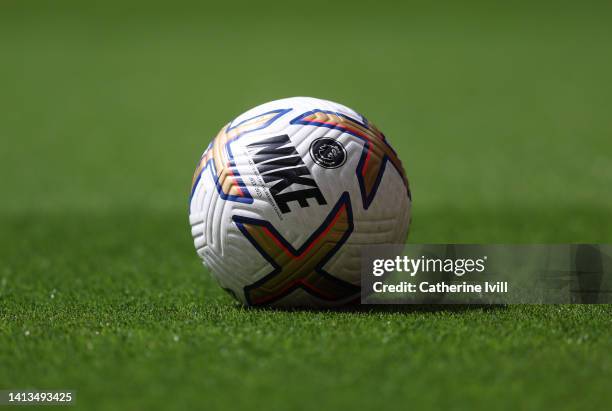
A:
[502,118]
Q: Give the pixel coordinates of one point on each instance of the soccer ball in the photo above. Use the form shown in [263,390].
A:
[287,196]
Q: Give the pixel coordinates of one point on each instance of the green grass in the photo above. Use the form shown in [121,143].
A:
[501,115]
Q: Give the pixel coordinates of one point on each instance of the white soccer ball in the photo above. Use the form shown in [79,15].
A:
[287,196]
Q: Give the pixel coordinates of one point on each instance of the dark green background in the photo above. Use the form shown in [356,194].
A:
[500,113]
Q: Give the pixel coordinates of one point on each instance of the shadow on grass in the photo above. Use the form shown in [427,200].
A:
[385,308]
